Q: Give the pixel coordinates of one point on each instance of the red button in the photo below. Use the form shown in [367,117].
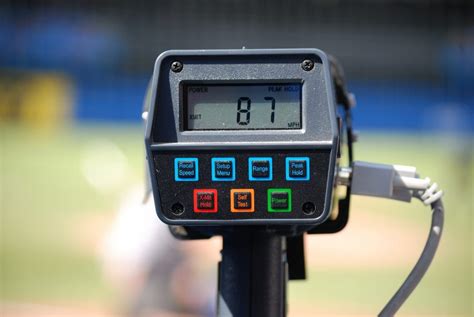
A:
[205,200]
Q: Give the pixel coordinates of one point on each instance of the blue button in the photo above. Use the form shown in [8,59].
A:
[260,169]
[223,169]
[297,168]
[186,169]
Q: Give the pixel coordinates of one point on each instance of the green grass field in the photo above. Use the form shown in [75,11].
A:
[46,205]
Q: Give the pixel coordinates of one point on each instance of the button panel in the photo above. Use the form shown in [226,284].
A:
[186,169]
[260,169]
[297,168]
[223,169]
[242,200]
[205,200]
[232,186]
[279,199]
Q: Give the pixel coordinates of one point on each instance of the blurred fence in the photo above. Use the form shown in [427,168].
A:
[411,64]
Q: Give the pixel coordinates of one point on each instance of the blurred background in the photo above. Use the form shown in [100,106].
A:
[75,239]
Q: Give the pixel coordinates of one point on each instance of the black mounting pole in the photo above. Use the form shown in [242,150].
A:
[252,275]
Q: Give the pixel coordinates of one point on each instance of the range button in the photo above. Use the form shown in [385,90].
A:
[260,169]
[205,200]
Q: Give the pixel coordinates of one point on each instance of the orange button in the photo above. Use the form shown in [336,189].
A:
[242,200]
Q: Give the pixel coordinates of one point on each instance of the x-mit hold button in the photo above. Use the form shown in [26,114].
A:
[205,200]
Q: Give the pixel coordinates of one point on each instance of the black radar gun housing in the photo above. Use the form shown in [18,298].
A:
[244,137]
[247,144]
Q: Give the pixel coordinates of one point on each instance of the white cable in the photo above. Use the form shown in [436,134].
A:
[423,263]
[399,183]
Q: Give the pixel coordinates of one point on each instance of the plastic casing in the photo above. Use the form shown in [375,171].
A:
[164,129]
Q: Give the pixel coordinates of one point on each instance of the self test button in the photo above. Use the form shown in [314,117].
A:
[242,200]
[297,168]
[186,169]
[205,200]
[260,169]
[279,199]
[223,169]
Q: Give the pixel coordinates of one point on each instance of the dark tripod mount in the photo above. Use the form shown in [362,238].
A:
[252,275]
[257,263]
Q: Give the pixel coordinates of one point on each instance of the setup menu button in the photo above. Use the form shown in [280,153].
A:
[223,169]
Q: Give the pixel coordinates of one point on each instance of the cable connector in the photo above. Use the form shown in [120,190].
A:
[396,182]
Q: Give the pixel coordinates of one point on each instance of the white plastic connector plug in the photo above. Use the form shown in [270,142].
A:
[388,181]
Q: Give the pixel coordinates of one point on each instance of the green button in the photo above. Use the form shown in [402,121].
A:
[279,200]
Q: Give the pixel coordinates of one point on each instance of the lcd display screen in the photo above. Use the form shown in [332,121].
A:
[242,106]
